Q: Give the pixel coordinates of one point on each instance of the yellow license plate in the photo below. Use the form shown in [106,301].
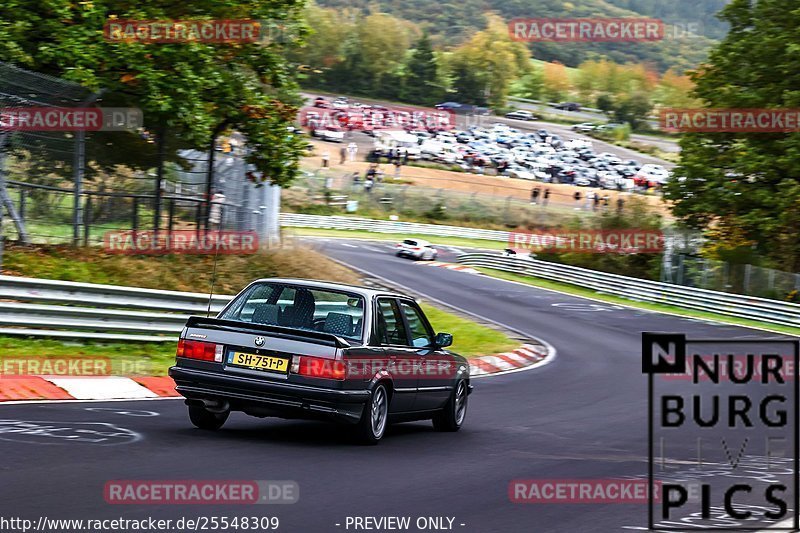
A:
[259,362]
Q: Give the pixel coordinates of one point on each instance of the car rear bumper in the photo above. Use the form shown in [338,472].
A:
[409,253]
[270,398]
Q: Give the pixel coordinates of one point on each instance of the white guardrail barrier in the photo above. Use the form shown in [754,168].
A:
[52,308]
[388,226]
[63,309]
[735,305]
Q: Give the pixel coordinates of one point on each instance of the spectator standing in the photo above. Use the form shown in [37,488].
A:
[535,195]
[342,155]
[620,204]
[368,183]
[352,150]
[325,159]
[596,200]
[546,197]
[577,197]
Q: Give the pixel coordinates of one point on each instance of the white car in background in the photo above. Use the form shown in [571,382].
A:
[416,249]
[651,176]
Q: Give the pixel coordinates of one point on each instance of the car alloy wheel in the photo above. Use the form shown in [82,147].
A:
[461,402]
[379,411]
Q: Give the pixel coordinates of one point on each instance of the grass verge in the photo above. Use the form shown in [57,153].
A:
[669,309]
[469,338]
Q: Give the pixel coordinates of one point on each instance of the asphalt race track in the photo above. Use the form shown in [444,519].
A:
[582,416]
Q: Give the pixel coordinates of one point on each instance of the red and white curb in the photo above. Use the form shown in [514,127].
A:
[449,266]
[25,388]
[99,388]
[523,358]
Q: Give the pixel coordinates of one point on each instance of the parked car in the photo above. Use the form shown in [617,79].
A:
[313,350]
[451,106]
[521,114]
[416,249]
[583,127]
[651,176]
[568,106]
[329,133]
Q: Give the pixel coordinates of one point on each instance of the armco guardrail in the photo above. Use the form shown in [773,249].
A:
[388,226]
[52,308]
[735,305]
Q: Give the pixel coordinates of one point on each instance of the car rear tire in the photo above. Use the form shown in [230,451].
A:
[374,420]
[452,416]
[204,419]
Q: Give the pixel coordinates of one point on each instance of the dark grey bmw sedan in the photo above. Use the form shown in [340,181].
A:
[308,349]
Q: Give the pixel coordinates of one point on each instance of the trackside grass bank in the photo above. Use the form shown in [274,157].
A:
[193,273]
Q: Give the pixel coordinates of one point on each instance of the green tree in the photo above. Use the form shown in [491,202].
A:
[747,181]
[633,109]
[190,91]
[533,83]
[421,79]
[484,67]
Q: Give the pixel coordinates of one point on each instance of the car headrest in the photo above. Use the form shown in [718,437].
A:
[265,314]
[338,324]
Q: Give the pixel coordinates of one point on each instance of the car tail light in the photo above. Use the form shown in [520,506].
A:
[204,351]
[317,367]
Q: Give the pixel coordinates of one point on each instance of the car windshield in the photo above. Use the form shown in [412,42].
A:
[340,313]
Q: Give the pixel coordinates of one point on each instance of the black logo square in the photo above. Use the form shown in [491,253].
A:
[663,353]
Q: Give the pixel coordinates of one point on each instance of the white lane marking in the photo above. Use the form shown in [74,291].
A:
[371,249]
[455,250]
[348,245]
[50,432]
[125,412]
[97,388]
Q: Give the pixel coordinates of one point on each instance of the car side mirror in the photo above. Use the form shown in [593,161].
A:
[443,340]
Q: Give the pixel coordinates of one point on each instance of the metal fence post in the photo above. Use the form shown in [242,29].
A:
[79,167]
[748,269]
[135,215]
[87,220]
[22,203]
[170,222]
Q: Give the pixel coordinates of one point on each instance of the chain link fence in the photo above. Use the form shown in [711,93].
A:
[63,187]
[739,279]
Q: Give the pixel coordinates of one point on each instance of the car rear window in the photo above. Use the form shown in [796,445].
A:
[410,242]
[340,313]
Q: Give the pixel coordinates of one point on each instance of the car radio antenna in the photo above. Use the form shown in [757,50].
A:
[216,255]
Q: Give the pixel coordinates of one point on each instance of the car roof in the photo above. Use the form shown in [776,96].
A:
[366,292]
